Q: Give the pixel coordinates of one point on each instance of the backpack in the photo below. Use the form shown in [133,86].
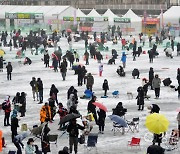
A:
[4,106]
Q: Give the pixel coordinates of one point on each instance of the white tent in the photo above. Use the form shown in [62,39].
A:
[136,21]
[110,16]
[94,13]
[79,13]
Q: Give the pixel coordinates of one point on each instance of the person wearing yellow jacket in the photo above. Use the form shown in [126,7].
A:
[45,113]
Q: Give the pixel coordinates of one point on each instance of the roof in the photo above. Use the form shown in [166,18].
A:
[109,14]
[173,12]
[94,13]
[79,13]
[48,11]
[134,18]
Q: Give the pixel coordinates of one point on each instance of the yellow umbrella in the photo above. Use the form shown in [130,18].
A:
[157,123]
[2,52]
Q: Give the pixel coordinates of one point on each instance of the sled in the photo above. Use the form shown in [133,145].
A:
[104,96]
[24,127]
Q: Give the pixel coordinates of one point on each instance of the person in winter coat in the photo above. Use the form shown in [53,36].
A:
[101,120]
[80,75]
[123,59]
[155,149]
[178,76]
[84,71]
[64,151]
[40,90]
[55,64]
[156,83]
[18,141]
[90,81]
[16,99]
[86,56]
[119,110]
[72,90]
[178,89]
[30,147]
[7,110]
[53,93]
[14,124]
[100,69]
[27,60]
[52,107]
[1,64]
[140,98]
[46,58]
[91,108]
[34,86]
[134,50]
[23,104]
[151,55]
[135,73]
[45,113]
[73,130]
[151,77]
[63,69]
[178,120]
[178,49]
[71,102]
[154,108]
[62,113]
[76,56]
[9,70]
[105,87]
[99,57]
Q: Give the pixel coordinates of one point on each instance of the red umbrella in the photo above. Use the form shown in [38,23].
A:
[69,30]
[101,106]
[178,109]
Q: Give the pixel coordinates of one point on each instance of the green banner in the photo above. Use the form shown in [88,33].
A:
[122,20]
[24,15]
[86,19]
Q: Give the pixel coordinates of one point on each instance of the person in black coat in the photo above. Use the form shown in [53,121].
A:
[53,92]
[84,71]
[27,61]
[119,110]
[139,50]
[55,64]
[14,124]
[151,55]
[80,75]
[16,99]
[23,104]
[154,108]
[64,151]
[40,90]
[73,130]
[140,98]
[9,70]
[63,69]
[101,120]
[151,77]
[73,91]
[1,64]
[135,72]
[92,108]
[134,50]
[178,49]
[105,87]
[46,58]
[155,149]
[52,107]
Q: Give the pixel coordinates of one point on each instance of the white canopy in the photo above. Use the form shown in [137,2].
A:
[136,21]
[110,16]
[94,13]
[79,13]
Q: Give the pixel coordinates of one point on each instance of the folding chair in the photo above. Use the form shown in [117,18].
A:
[118,128]
[53,138]
[135,142]
[92,141]
[133,125]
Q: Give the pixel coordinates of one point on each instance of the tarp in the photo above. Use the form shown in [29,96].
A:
[136,21]
[110,16]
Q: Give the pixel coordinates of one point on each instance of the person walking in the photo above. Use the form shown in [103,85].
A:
[1,64]
[123,59]
[45,113]
[151,77]
[14,124]
[40,90]
[6,105]
[63,69]
[178,120]
[156,83]
[9,70]
[73,130]
[80,75]
[23,104]
[101,120]
[105,87]
[100,69]
[53,93]
[140,98]
[86,56]
[46,58]
[90,81]
[34,86]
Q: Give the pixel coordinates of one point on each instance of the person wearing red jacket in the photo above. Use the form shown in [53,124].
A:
[7,110]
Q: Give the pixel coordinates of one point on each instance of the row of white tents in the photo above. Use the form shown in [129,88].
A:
[171,16]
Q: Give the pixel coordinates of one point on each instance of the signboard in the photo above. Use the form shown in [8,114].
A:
[24,15]
[122,20]
[86,19]
[151,21]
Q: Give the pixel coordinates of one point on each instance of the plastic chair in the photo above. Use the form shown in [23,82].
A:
[53,138]
[135,142]
[118,128]
[115,94]
[133,125]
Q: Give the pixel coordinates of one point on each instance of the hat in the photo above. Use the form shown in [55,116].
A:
[30,140]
